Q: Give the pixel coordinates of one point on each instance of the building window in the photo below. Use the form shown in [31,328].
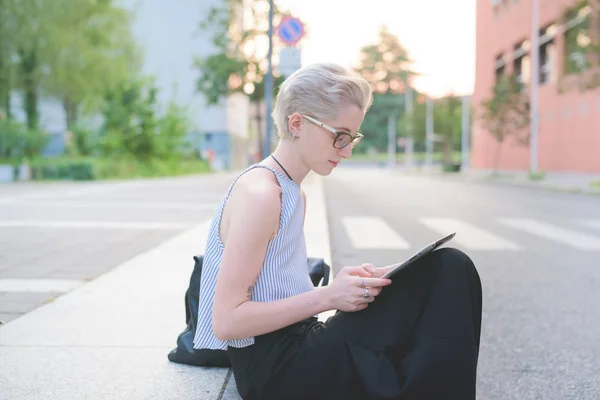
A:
[496,8]
[547,53]
[500,67]
[521,63]
[577,39]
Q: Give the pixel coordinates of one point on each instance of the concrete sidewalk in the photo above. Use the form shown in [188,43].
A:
[109,338]
[562,182]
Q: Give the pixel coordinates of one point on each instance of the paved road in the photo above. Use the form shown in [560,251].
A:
[54,237]
[537,253]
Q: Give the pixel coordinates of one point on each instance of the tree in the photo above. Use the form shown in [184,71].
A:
[93,49]
[238,64]
[386,66]
[506,113]
[448,123]
[582,45]
[7,50]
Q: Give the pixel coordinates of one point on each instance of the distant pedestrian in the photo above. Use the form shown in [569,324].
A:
[415,336]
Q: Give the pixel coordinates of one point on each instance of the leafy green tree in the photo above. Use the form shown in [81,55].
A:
[582,47]
[448,124]
[135,127]
[236,65]
[93,48]
[386,66]
[67,49]
[7,50]
[506,113]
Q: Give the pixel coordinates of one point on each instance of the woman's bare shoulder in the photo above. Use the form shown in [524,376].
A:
[257,190]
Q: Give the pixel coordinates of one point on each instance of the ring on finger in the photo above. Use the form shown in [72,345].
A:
[363,283]
[367,294]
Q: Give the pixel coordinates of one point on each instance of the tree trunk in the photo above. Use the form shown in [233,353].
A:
[28,68]
[594,32]
[71,112]
[447,149]
[497,156]
[259,130]
[5,73]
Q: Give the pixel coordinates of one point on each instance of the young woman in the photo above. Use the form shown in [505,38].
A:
[413,337]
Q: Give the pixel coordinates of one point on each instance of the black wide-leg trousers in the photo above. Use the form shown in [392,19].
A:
[419,339]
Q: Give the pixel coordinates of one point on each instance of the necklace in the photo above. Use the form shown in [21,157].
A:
[278,163]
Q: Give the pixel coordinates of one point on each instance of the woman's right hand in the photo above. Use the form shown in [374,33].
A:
[354,288]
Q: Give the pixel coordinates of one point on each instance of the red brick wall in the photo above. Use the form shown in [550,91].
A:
[569,129]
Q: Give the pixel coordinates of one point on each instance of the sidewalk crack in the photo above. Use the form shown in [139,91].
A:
[224,384]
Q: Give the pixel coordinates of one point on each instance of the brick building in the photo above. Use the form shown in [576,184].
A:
[569,119]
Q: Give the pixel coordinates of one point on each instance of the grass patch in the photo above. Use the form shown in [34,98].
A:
[595,184]
[537,176]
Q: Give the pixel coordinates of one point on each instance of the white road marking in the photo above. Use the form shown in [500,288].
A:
[372,233]
[123,204]
[552,232]
[467,235]
[39,285]
[594,223]
[92,225]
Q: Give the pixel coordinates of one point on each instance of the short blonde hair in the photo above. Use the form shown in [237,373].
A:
[319,90]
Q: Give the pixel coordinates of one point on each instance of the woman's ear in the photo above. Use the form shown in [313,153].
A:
[295,124]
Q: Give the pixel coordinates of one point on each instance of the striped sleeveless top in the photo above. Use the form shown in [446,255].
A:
[285,268]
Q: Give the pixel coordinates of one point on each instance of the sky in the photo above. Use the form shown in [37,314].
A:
[438,34]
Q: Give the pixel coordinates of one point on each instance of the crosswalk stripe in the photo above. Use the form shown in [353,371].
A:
[372,233]
[552,232]
[592,224]
[93,225]
[39,285]
[469,236]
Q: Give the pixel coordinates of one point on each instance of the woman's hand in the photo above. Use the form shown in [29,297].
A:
[355,287]
[378,272]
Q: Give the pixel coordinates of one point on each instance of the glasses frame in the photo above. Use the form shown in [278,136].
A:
[354,139]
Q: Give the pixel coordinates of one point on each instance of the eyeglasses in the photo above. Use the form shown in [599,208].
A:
[342,139]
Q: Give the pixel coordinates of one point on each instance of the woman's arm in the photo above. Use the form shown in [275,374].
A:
[253,220]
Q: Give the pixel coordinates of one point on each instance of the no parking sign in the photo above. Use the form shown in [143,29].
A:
[290,30]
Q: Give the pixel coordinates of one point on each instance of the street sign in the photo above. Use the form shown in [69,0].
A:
[289,61]
[290,30]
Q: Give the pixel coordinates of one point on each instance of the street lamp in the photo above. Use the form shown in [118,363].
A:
[269,87]
[535,81]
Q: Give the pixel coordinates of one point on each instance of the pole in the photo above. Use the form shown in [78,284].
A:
[269,87]
[391,140]
[408,146]
[535,81]
[429,133]
[465,142]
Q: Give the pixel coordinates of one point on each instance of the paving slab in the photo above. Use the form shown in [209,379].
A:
[109,338]
[103,373]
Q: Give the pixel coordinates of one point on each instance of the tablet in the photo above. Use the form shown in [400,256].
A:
[420,254]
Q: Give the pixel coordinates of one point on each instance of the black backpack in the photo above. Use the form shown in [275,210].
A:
[185,353]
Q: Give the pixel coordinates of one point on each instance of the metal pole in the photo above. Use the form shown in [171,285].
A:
[391,140]
[429,133]
[269,87]
[535,81]
[465,142]
[408,146]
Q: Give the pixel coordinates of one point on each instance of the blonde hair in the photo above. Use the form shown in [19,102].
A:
[319,90]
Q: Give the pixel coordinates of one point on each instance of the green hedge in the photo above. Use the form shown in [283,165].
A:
[105,168]
[62,170]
